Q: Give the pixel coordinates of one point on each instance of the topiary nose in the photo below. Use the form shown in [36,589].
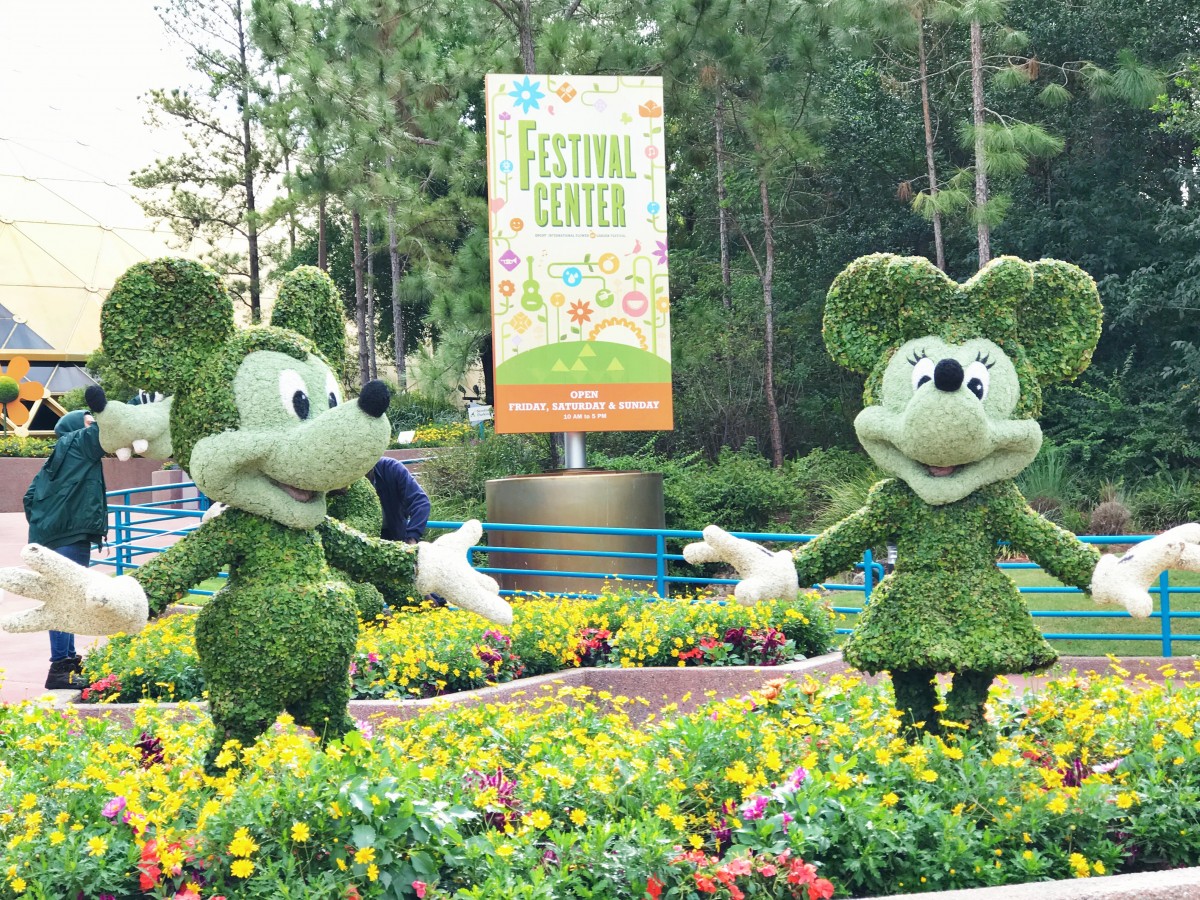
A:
[948,375]
[375,398]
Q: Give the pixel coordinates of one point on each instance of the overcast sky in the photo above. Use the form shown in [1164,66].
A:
[71,72]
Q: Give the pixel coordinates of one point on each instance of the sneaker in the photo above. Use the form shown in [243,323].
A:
[62,676]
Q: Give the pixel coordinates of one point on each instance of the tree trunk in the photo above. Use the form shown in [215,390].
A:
[722,211]
[248,163]
[397,313]
[981,185]
[525,38]
[360,300]
[322,240]
[923,65]
[768,278]
[372,359]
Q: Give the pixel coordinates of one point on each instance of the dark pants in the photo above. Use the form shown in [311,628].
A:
[62,643]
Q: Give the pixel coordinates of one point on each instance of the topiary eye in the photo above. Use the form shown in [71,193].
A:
[333,390]
[922,372]
[293,393]
[977,378]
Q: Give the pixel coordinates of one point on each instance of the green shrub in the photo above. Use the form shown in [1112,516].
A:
[409,411]
[73,400]
[1166,499]
[455,479]
[27,447]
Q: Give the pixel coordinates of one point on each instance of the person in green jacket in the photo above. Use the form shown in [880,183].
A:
[66,511]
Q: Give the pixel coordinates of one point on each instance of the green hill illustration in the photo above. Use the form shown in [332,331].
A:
[590,362]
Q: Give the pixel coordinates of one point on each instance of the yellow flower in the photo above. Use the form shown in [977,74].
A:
[578,817]
[663,811]
[372,872]
[97,846]
[242,844]
[29,801]
[928,775]
[505,850]
[1058,805]
[890,799]
[539,818]
[1158,741]
[1126,799]
[842,781]
[300,832]
[18,885]
[335,811]
[364,855]
[241,868]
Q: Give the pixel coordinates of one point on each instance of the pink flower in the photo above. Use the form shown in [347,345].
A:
[419,887]
[112,807]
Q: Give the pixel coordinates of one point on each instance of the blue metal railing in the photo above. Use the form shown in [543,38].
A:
[141,528]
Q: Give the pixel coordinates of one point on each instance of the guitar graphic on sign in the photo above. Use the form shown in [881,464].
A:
[530,298]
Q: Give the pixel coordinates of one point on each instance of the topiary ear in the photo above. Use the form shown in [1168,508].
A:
[162,320]
[995,295]
[309,304]
[1060,320]
[880,301]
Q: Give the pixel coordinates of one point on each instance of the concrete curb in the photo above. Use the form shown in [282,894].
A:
[1173,884]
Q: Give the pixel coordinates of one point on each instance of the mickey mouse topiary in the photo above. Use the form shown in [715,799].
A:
[954,382]
[258,419]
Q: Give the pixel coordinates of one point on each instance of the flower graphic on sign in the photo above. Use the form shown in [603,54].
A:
[526,94]
[581,311]
[650,110]
[507,288]
[660,252]
[13,391]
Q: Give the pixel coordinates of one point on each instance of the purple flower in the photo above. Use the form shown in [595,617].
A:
[372,658]
[660,253]
[754,807]
[112,807]
[600,106]
[796,779]
[722,836]
[549,858]
[504,117]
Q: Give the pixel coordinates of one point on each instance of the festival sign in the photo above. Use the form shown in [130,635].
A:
[578,226]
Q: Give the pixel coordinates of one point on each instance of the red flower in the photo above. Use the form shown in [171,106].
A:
[821,889]
[150,871]
[704,883]
[654,888]
[419,887]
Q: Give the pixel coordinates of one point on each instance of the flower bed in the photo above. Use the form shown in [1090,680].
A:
[796,790]
[426,651]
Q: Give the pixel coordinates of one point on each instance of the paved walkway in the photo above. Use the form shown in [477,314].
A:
[24,658]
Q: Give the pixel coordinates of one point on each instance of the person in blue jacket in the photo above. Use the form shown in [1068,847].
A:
[405,504]
[67,512]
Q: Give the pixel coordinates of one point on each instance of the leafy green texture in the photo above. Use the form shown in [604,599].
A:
[358,507]
[162,320]
[1045,315]
[206,404]
[946,607]
[386,564]
[277,637]
[309,304]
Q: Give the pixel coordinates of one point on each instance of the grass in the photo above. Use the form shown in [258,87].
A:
[1120,624]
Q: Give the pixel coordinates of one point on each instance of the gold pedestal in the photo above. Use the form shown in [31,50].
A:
[578,497]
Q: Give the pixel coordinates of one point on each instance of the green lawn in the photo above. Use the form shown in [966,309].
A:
[1122,624]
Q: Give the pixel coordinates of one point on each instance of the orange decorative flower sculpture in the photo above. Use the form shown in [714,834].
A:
[13,391]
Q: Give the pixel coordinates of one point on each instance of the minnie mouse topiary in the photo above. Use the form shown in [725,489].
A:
[955,374]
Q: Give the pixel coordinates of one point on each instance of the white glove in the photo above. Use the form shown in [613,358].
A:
[75,598]
[765,575]
[442,569]
[212,512]
[1123,581]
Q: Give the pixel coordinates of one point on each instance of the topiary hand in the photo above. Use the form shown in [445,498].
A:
[75,599]
[765,575]
[443,569]
[1123,580]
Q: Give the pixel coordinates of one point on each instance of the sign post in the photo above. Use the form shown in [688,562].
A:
[577,231]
